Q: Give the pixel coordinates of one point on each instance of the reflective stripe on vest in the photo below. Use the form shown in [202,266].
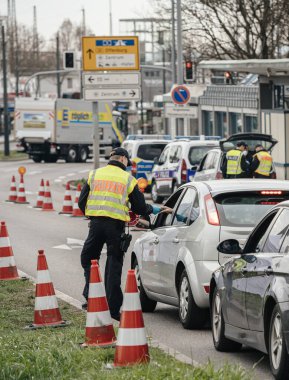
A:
[234,162]
[265,165]
[109,190]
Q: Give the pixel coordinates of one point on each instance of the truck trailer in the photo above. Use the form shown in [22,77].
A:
[52,129]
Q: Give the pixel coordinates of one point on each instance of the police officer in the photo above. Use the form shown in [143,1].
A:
[235,164]
[261,165]
[104,199]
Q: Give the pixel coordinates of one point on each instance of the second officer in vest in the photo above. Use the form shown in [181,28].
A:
[235,164]
[262,163]
[104,199]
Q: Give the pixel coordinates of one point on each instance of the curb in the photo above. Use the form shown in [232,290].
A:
[152,342]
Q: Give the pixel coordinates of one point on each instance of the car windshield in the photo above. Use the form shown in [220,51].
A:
[197,153]
[150,151]
[246,208]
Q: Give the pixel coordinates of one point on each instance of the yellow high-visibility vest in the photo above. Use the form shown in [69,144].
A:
[234,162]
[109,190]
[265,165]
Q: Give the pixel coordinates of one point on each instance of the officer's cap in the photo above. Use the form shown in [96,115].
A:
[121,152]
[241,143]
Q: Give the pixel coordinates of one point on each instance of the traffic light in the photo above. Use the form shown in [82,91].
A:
[69,60]
[229,77]
[189,70]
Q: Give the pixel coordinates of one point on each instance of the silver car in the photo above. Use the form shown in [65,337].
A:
[175,258]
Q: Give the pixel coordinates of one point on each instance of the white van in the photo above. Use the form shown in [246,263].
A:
[177,165]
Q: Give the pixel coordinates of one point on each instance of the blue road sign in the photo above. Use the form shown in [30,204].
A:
[118,42]
[180,95]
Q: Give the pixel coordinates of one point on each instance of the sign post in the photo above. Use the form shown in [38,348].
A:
[95,135]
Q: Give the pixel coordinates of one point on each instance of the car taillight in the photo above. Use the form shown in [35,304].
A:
[207,288]
[133,168]
[184,172]
[219,175]
[271,192]
[211,211]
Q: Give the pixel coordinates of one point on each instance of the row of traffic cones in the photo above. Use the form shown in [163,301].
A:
[131,343]
[44,200]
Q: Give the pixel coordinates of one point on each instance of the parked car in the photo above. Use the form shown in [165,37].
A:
[175,258]
[142,153]
[177,165]
[249,294]
[211,165]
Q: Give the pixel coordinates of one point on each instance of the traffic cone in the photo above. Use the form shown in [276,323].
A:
[47,203]
[8,270]
[67,203]
[76,210]
[13,191]
[21,196]
[46,312]
[131,345]
[40,196]
[99,330]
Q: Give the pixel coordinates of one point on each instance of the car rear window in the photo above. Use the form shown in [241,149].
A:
[150,151]
[196,154]
[246,208]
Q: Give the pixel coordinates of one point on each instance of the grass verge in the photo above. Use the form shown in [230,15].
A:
[54,353]
[14,156]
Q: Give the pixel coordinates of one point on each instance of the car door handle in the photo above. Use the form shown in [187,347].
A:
[268,271]
[176,240]
[156,241]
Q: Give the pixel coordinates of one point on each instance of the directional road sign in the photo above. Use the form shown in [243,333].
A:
[110,53]
[94,94]
[110,79]
[180,95]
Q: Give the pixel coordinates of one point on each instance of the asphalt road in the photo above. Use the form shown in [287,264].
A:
[62,237]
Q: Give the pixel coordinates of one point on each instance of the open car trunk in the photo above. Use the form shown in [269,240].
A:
[251,139]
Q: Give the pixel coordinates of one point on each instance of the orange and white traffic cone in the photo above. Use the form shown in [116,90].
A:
[47,203]
[21,196]
[40,196]
[76,210]
[46,312]
[99,330]
[67,207]
[13,191]
[8,270]
[131,345]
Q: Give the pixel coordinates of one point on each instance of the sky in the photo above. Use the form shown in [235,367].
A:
[51,13]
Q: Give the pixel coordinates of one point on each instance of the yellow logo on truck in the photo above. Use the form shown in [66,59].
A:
[67,117]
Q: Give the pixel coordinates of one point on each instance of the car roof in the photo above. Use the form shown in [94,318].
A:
[243,184]
[142,142]
[212,143]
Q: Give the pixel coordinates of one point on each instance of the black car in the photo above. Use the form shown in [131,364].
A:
[249,294]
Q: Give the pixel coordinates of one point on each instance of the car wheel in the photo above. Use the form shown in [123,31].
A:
[37,159]
[191,316]
[72,154]
[83,154]
[147,305]
[221,343]
[154,194]
[279,358]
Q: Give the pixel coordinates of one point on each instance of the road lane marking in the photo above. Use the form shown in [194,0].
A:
[70,174]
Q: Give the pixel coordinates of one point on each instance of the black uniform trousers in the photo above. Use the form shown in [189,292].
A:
[104,230]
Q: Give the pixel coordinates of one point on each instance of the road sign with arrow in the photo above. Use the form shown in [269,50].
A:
[111,79]
[112,93]
[110,53]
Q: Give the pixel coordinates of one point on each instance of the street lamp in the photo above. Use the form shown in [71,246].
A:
[161,42]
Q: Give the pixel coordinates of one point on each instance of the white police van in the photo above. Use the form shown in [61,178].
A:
[142,153]
[178,163]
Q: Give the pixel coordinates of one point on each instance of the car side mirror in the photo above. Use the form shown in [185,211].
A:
[195,167]
[156,160]
[230,247]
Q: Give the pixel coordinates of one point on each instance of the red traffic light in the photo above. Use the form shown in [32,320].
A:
[189,64]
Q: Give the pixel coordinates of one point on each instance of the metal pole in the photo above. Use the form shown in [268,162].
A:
[180,74]
[5,97]
[95,136]
[58,67]
[173,43]
[110,19]
[164,73]
[141,100]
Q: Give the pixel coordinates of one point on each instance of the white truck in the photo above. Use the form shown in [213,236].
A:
[50,129]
